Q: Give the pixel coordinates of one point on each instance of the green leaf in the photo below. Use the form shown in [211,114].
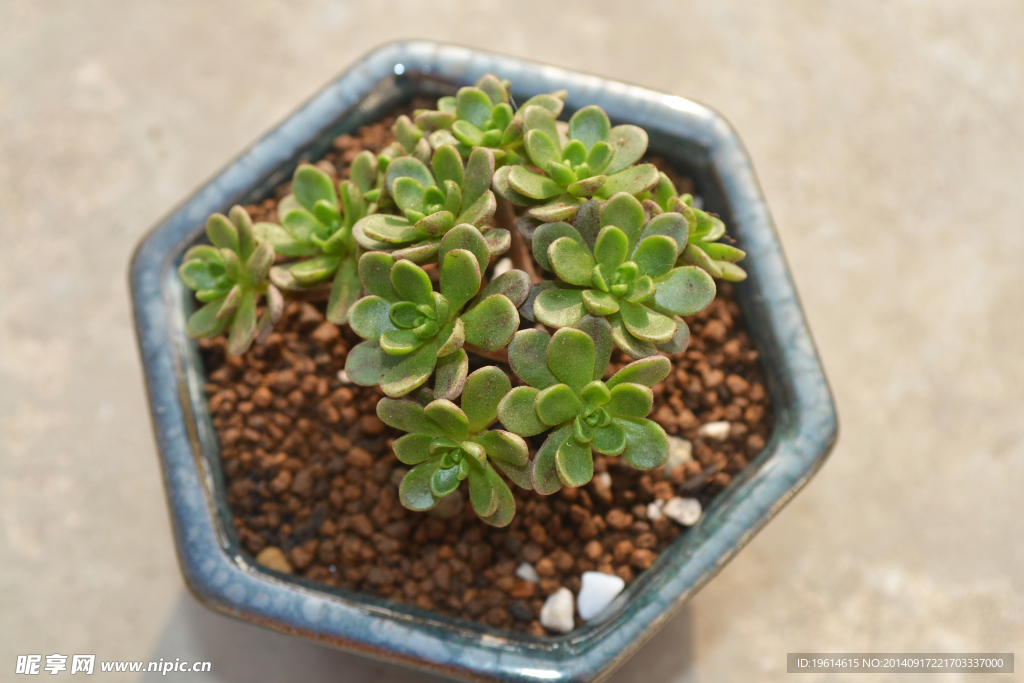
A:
[679,341]
[589,125]
[363,171]
[492,85]
[311,185]
[243,224]
[599,332]
[532,185]
[547,101]
[412,449]
[481,493]
[612,247]
[460,277]
[408,416]
[467,134]
[414,491]
[574,154]
[449,417]
[630,400]
[723,252]
[444,481]
[600,303]
[315,270]
[671,225]
[596,393]
[474,105]
[571,261]
[450,377]
[609,440]
[547,233]
[570,355]
[447,165]
[504,502]
[344,292]
[375,274]
[541,148]
[643,323]
[539,118]
[283,242]
[415,368]
[731,272]
[556,404]
[498,240]
[528,357]
[204,322]
[469,238]
[526,308]
[400,342]
[518,413]
[387,229]
[655,255]
[505,447]
[562,208]
[408,167]
[222,232]
[574,463]
[685,291]
[479,171]
[632,180]
[491,323]
[646,443]
[626,213]
[635,348]
[521,476]
[545,473]
[412,283]
[628,144]
[481,395]
[301,224]
[479,212]
[367,363]
[409,195]
[588,221]
[696,256]
[513,284]
[243,327]
[504,189]
[646,372]
[599,157]
[196,275]
[456,338]
[433,120]
[369,317]
[559,307]
[587,187]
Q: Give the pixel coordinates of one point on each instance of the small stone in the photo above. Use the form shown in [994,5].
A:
[683,511]
[618,519]
[597,593]
[526,572]
[273,557]
[372,425]
[718,431]
[501,267]
[603,479]
[326,333]
[679,451]
[556,614]
[654,510]
[343,377]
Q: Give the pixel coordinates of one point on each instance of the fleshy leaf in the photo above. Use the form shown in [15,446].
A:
[414,491]
[644,323]
[514,284]
[369,317]
[589,125]
[344,292]
[528,357]
[221,232]
[473,105]
[450,377]
[671,225]
[571,261]
[412,283]
[481,493]
[283,242]
[449,417]
[635,348]
[600,332]
[504,502]
[655,255]
[547,233]
[646,372]
[600,303]
[570,356]
[491,323]
[588,221]
[556,404]
[408,167]
[526,308]
[412,449]
[447,165]
[679,341]
[407,416]
[204,322]
[559,307]
[503,188]
[460,277]
[626,213]
[610,439]
[562,208]
[612,247]
[685,291]
[415,368]
[243,327]
[367,363]
[505,446]
[541,148]
[444,481]
[574,462]
[596,392]
[469,238]
[479,171]
[532,185]
[646,443]
[518,413]
[545,472]
[629,144]
[630,400]
[633,180]
[311,185]
[521,476]
[386,229]
[481,395]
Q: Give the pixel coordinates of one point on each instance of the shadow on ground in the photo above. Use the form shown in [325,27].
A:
[243,653]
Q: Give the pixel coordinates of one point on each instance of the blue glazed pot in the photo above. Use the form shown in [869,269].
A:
[699,143]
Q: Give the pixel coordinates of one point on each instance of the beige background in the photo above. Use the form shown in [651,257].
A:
[889,139]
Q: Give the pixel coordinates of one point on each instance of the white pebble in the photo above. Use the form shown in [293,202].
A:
[683,511]
[343,377]
[679,451]
[597,593]
[654,510]
[556,614]
[719,431]
[526,572]
[603,479]
[501,267]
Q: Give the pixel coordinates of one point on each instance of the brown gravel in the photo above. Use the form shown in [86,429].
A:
[312,481]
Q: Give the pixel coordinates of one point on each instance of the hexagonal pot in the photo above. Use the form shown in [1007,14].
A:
[221,574]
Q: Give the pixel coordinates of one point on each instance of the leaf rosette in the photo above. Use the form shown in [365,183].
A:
[447,445]
[433,200]
[229,276]
[316,231]
[612,264]
[564,393]
[589,159]
[410,329]
[703,248]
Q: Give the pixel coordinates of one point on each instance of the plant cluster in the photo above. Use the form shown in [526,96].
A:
[402,251]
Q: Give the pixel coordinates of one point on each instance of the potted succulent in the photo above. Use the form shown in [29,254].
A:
[474,390]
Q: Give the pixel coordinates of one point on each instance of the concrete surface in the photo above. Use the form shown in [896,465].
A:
[888,138]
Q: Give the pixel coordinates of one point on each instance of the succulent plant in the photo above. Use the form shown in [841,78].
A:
[433,201]
[564,393]
[703,248]
[229,276]
[612,264]
[593,159]
[411,329]
[477,116]
[316,231]
[447,444]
